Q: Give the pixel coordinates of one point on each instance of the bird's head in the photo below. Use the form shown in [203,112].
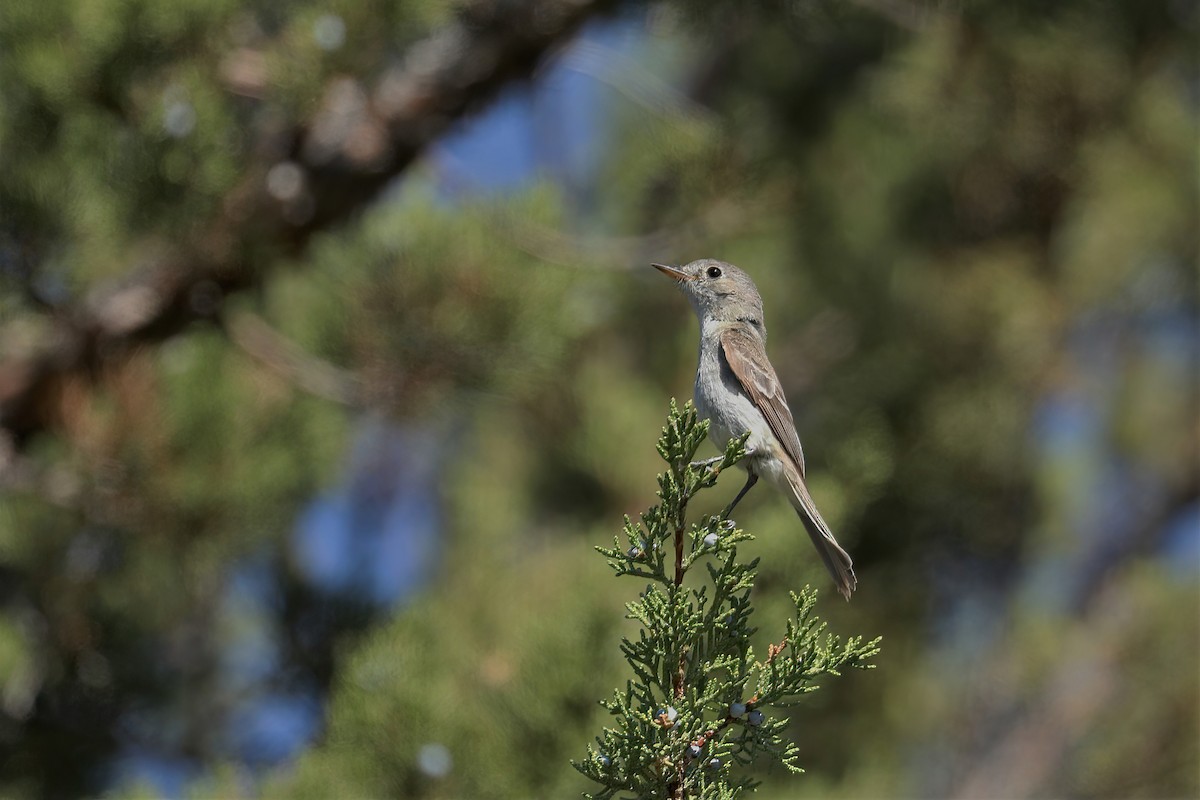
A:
[718,291]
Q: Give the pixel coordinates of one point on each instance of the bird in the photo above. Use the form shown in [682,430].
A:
[738,391]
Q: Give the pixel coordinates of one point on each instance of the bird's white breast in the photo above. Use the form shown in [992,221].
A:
[719,397]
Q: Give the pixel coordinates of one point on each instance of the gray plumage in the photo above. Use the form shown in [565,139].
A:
[738,390]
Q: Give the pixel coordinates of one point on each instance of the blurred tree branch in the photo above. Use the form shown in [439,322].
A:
[308,179]
[564,248]
[272,349]
[1035,731]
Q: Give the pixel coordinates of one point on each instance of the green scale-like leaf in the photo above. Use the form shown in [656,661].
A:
[691,657]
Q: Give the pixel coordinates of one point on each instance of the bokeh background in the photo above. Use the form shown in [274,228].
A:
[329,349]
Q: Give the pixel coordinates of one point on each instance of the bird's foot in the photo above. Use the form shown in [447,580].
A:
[708,463]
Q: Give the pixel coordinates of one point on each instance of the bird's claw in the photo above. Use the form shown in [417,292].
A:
[708,463]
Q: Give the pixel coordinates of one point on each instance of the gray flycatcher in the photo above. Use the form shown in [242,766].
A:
[737,389]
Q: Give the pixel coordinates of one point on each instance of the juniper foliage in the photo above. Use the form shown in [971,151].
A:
[702,705]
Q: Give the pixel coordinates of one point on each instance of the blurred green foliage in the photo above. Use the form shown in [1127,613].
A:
[974,227]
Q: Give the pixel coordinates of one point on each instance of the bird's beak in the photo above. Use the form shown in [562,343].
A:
[672,272]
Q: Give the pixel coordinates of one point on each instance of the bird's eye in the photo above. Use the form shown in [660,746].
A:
[714,272]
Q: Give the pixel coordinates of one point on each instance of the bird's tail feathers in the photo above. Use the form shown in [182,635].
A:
[837,560]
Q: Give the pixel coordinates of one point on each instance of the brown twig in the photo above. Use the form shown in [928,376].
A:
[680,523]
[676,788]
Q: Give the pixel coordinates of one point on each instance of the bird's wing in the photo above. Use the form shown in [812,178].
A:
[747,360]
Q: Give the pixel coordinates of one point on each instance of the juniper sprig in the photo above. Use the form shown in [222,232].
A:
[701,705]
